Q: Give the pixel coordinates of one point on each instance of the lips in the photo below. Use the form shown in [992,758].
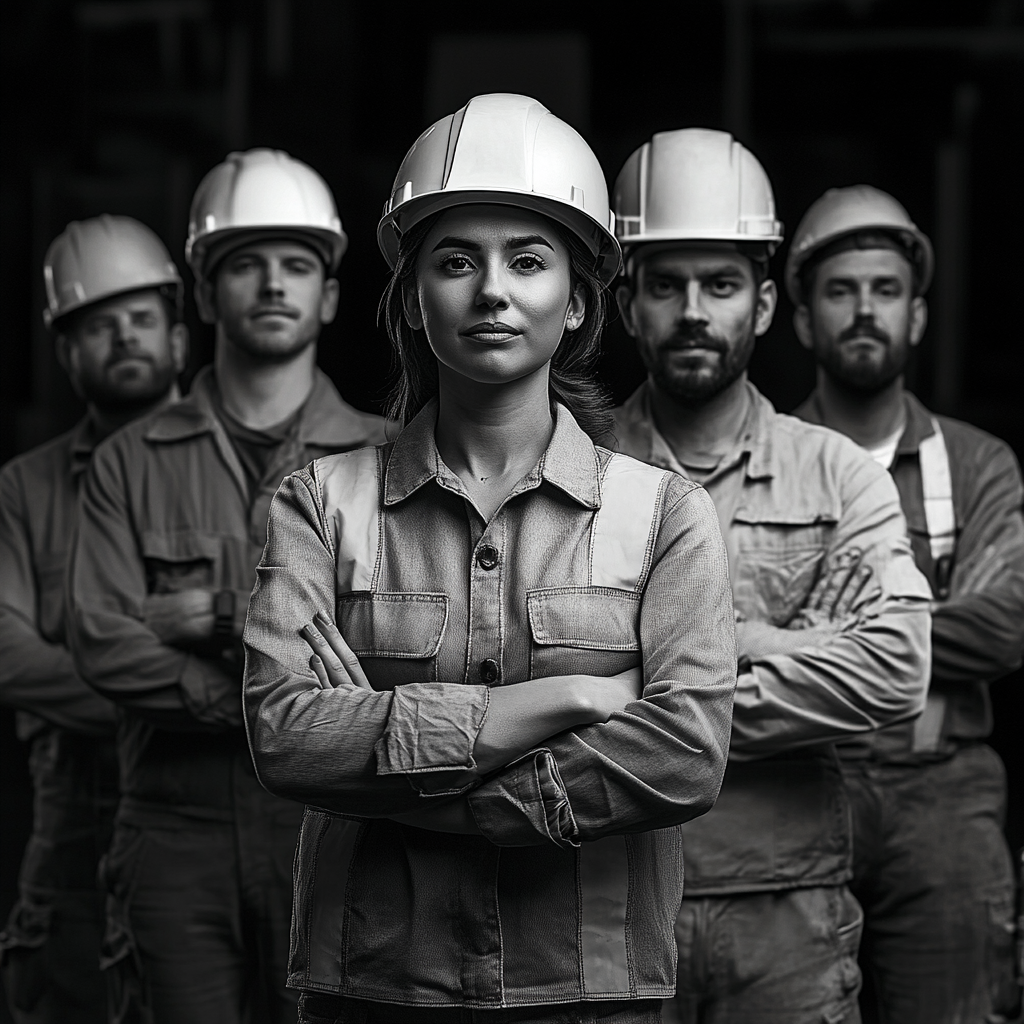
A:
[291,314]
[492,332]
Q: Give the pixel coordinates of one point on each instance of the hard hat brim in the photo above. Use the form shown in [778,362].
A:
[54,321]
[213,247]
[599,240]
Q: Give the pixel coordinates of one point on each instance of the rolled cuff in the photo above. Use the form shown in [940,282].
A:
[431,727]
[526,805]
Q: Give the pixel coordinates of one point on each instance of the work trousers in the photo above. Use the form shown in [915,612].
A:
[50,947]
[198,916]
[934,875]
[317,1008]
[784,957]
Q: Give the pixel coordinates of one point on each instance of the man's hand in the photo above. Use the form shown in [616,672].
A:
[332,661]
[185,616]
[838,596]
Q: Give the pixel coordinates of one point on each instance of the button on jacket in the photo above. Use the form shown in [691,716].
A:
[571,891]
[165,507]
[977,635]
[791,499]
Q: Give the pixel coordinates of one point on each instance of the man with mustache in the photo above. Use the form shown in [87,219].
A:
[174,520]
[114,306]
[832,615]
[931,869]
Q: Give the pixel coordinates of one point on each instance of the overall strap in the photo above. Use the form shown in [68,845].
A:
[624,529]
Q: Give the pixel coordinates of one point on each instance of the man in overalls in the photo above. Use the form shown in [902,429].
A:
[932,868]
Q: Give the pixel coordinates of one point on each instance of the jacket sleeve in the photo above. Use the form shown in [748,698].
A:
[867,676]
[115,651]
[660,761]
[36,675]
[978,633]
[334,748]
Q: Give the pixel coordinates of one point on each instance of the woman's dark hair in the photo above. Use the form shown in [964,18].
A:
[572,381]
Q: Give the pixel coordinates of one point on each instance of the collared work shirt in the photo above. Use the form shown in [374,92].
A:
[594,564]
[38,516]
[977,633]
[166,507]
[792,500]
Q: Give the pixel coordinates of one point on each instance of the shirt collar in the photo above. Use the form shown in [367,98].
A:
[918,426]
[326,421]
[569,462]
[84,439]
[757,440]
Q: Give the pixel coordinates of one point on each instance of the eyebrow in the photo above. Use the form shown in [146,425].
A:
[726,270]
[875,279]
[520,242]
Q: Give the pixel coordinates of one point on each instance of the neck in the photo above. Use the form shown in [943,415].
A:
[106,421]
[867,418]
[260,392]
[709,428]
[489,431]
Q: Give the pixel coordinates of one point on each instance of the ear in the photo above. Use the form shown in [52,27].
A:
[918,319]
[624,298]
[62,348]
[206,301]
[179,340]
[802,326]
[577,308]
[411,306]
[764,311]
[329,300]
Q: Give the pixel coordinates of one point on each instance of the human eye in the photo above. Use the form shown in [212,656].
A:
[145,319]
[528,261]
[456,263]
[889,289]
[722,287]
[659,287]
[99,324]
[243,265]
[299,266]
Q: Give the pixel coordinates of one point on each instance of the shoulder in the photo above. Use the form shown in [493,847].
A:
[810,448]
[41,462]
[968,442]
[348,478]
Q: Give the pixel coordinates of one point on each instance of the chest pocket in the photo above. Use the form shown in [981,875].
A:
[181,560]
[585,630]
[395,636]
[51,569]
[778,559]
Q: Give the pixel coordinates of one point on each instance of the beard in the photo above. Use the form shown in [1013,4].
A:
[864,370]
[128,385]
[697,385]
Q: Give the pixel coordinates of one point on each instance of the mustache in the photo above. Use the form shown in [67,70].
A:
[693,336]
[865,328]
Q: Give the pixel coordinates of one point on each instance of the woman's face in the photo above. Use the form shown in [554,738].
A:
[493,292]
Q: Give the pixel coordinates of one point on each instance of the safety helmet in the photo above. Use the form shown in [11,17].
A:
[847,211]
[101,257]
[694,184]
[261,192]
[505,149]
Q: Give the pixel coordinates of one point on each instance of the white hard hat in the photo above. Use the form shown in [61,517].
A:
[259,193]
[506,149]
[850,211]
[99,258]
[694,184]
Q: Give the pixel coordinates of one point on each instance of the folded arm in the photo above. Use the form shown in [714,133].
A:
[116,649]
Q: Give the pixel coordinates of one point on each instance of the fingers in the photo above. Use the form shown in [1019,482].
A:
[834,581]
[320,672]
[337,643]
[329,660]
[855,592]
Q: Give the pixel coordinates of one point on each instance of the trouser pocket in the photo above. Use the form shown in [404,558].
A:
[23,956]
[120,961]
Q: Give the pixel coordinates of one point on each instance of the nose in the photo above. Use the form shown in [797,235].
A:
[693,309]
[123,335]
[492,290]
[865,302]
[272,281]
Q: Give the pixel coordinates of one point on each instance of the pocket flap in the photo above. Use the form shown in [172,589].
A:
[393,625]
[596,618]
[180,546]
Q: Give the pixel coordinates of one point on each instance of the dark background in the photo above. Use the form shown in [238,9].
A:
[122,105]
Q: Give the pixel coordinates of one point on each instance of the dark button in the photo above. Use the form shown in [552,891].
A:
[488,671]
[487,556]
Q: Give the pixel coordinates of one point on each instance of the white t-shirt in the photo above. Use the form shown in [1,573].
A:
[885,451]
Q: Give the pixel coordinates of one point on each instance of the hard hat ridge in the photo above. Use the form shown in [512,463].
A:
[96,259]
[257,194]
[505,149]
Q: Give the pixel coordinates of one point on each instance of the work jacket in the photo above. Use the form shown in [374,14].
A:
[792,500]
[594,564]
[165,506]
[978,610]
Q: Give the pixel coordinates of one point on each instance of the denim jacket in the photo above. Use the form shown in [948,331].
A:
[594,564]
[791,499]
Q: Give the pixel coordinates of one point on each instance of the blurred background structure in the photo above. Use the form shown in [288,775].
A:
[122,105]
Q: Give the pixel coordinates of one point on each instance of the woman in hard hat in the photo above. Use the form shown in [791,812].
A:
[530,681]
